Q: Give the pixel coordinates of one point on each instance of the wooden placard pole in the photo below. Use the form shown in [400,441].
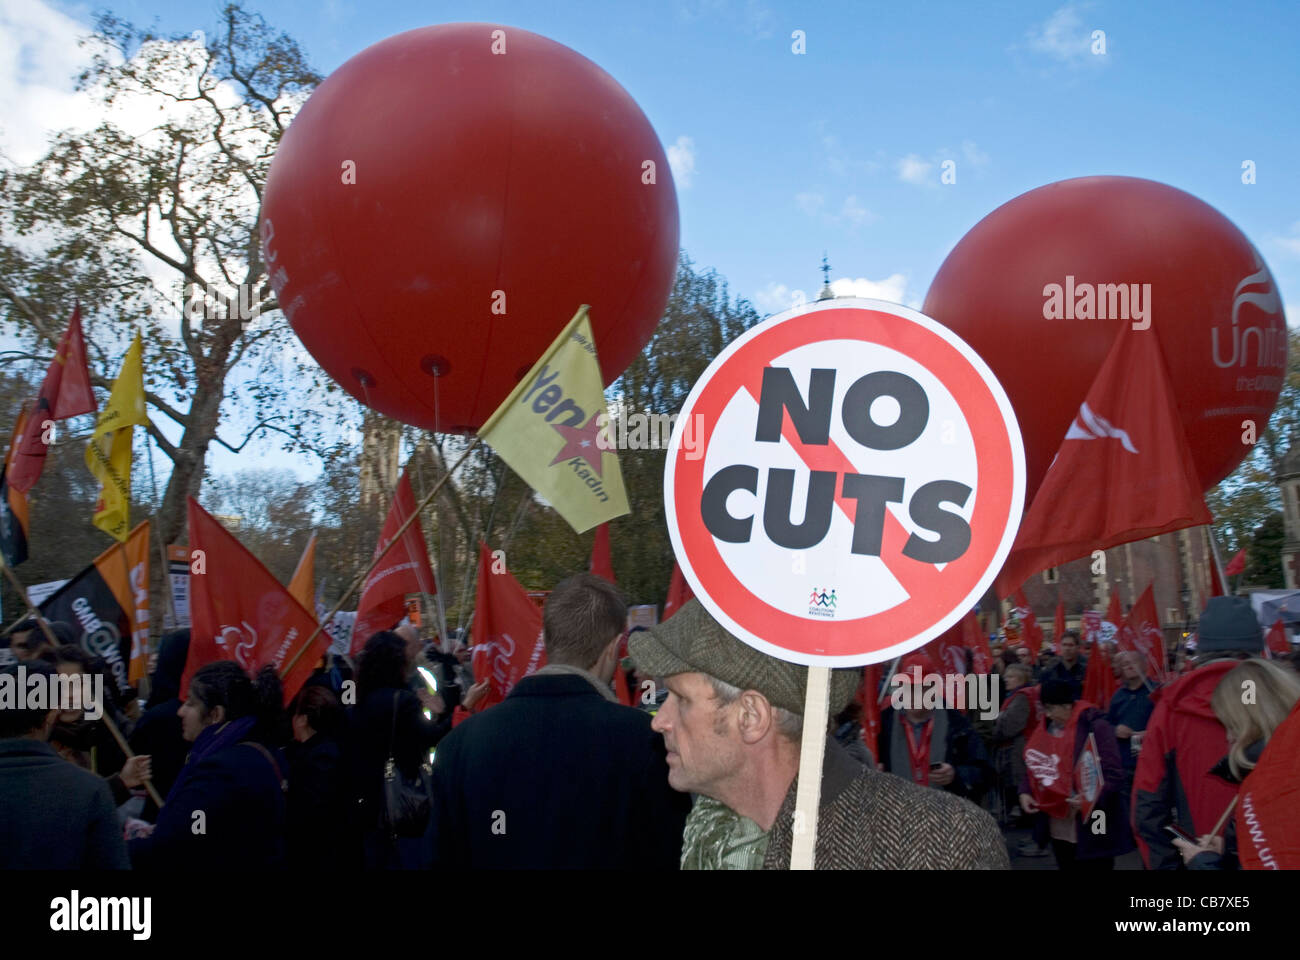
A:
[812,750]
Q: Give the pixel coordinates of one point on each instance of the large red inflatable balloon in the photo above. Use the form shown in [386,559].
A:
[1030,288]
[443,204]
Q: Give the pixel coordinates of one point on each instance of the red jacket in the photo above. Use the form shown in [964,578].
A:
[1172,783]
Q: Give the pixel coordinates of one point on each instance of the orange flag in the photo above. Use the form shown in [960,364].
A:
[302,586]
[1123,472]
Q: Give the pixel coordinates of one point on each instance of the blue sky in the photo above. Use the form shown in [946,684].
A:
[781,156]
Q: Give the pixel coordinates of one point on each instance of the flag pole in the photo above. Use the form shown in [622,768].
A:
[54,642]
[358,581]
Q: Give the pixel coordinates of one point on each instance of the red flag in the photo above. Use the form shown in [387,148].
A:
[1123,472]
[1268,806]
[948,651]
[1236,564]
[1141,634]
[1099,681]
[678,593]
[65,392]
[869,698]
[1113,613]
[507,631]
[1030,630]
[1058,628]
[239,611]
[1279,644]
[602,565]
[404,569]
[976,641]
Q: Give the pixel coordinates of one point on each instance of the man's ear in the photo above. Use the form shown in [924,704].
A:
[754,717]
[217,715]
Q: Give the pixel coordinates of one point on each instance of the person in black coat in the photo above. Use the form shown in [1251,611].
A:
[559,774]
[157,733]
[53,814]
[387,720]
[226,809]
[316,805]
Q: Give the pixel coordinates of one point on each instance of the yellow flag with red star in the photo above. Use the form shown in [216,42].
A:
[552,430]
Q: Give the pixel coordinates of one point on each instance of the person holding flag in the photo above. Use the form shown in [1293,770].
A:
[1050,784]
[108,455]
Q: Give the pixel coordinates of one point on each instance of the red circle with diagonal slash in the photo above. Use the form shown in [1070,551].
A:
[936,599]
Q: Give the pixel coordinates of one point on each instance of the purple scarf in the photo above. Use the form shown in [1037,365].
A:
[213,739]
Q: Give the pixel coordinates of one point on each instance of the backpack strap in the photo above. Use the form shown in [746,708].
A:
[284,784]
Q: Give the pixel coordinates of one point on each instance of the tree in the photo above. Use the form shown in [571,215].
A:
[1264,555]
[104,211]
[1248,496]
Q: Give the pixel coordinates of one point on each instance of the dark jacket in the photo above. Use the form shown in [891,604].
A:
[53,814]
[373,726]
[1074,676]
[1109,835]
[315,806]
[158,735]
[556,776]
[869,820]
[1183,741]
[963,749]
[1130,708]
[239,791]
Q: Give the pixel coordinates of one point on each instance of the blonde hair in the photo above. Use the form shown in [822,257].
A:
[1276,691]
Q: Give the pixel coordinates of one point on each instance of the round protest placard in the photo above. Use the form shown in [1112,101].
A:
[855,481]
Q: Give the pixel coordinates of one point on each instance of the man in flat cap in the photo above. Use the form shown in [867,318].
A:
[732,725]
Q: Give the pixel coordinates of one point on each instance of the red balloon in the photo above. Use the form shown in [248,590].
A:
[1203,286]
[443,204]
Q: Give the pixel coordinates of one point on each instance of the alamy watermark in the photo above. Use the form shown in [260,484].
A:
[649,431]
[53,691]
[913,690]
[202,302]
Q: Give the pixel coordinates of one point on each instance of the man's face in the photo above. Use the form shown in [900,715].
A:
[1129,669]
[25,645]
[1024,656]
[1069,649]
[701,738]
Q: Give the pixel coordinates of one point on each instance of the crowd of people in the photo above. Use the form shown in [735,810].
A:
[396,762]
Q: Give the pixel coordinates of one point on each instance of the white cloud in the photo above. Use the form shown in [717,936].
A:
[809,203]
[681,158]
[854,213]
[893,288]
[973,154]
[1291,244]
[777,298]
[913,169]
[1064,38]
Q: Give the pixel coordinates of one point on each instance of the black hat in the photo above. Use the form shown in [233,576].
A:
[1229,623]
[1056,692]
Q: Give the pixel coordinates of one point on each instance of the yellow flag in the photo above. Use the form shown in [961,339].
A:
[303,585]
[552,431]
[109,454]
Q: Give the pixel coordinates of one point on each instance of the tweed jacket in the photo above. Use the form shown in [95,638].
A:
[876,821]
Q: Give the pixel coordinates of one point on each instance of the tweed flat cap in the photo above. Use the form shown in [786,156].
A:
[693,642]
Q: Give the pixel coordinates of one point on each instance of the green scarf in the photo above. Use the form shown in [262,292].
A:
[718,838]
